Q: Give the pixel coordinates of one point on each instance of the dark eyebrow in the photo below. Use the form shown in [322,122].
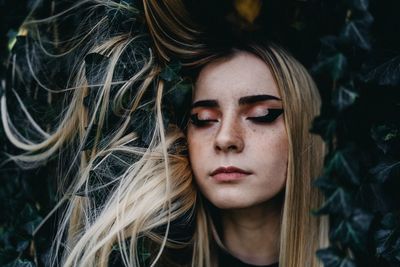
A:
[205,103]
[256,98]
[242,101]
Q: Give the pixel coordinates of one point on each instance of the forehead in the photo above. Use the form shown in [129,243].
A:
[233,77]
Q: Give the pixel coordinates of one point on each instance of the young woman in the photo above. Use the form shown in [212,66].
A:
[252,156]
[233,187]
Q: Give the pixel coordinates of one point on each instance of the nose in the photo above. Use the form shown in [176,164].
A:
[229,137]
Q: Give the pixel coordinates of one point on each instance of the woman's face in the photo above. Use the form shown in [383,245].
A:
[238,145]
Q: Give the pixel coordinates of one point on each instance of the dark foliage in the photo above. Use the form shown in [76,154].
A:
[352,48]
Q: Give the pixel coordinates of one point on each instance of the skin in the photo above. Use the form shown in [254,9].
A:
[250,204]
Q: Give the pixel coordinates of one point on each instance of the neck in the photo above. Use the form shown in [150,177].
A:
[252,234]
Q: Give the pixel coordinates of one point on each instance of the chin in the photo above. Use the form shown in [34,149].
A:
[225,199]
[226,203]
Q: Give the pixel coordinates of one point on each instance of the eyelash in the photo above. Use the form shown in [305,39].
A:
[273,114]
[194,119]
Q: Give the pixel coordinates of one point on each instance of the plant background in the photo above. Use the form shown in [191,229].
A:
[352,49]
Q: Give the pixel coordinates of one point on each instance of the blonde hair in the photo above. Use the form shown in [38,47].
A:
[155,187]
[301,232]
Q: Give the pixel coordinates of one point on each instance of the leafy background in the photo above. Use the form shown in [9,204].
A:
[352,49]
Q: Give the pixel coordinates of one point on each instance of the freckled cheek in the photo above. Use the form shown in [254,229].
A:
[271,149]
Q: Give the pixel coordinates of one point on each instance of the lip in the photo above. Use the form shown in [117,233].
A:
[231,173]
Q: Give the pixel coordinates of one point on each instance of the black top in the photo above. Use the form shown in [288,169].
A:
[227,260]
[179,257]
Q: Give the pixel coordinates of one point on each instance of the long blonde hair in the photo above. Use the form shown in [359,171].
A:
[155,186]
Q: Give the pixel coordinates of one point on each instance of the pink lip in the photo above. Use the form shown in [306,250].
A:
[231,173]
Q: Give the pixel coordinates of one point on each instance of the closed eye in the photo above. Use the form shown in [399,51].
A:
[194,119]
[273,114]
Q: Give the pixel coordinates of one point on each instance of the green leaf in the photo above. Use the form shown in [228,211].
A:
[344,97]
[326,184]
[329,44]
[335,65]
[386,170]
[339,202]
[179,97]
[353,231]
[333,257]
[28,213]
[22,245]
[340,163]
[180,93]
[20,263]
[171,72]
[387,238]
[361,5]
[361,220]
[356,32]
[12,39]
[384,73]
[390,221]
[325,127]
[30,227]
[387,137]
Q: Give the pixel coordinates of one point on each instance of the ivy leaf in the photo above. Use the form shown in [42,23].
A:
[326,184]
[171,72]
[19,45]
[344,97]
[383,73]
[20,263]
[21,246]
[30,226]
[133,59]
[335,65]
[12,38]
[357,32]
[325,127]
[180,98]
[29,213]
[329,44]
[180,93]
[390,221]
[31,4]
[386,170]
[387,239]
[387,137]
[248,10]
[333,257]
[339,202]
[353,231]
[361,5]
[340,164]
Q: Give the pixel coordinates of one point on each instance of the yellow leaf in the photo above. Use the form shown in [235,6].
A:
[248,9]
[21,32]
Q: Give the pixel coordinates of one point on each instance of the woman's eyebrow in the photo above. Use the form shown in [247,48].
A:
[205,103]
[208,103]
[256,98]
